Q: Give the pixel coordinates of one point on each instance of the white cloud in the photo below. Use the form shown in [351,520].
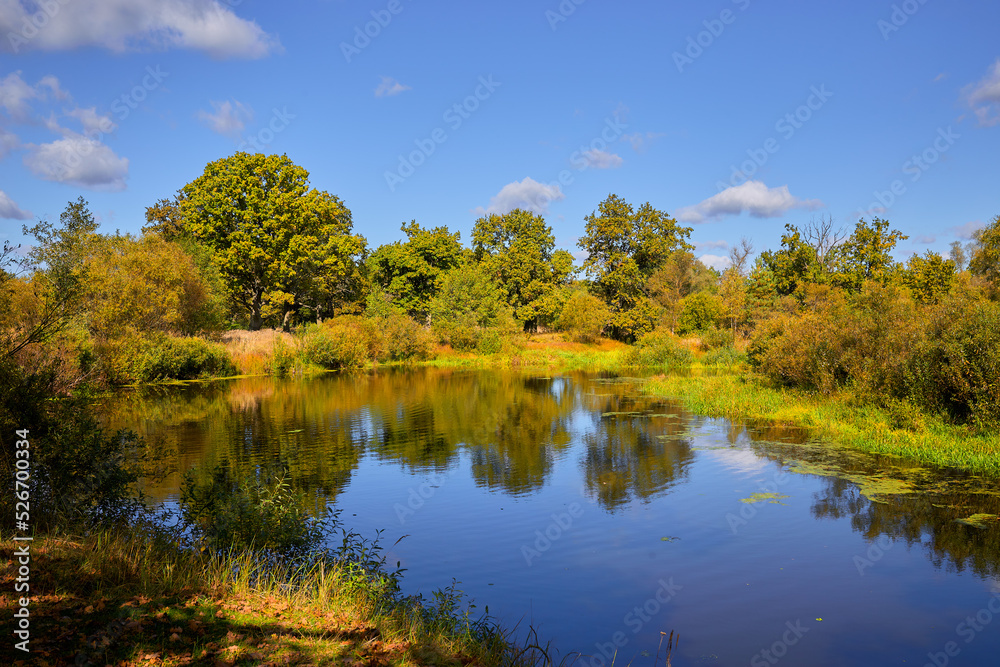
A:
[602,159]
[640,141]
[752,197]
[711,245]
[716,261]
[52,83]
[8,142]
[15,95]
[92,122]
[127,25]
[528,194]
[228,117]
[10,210]
[968,229]
[77,160]
[984,97]
[390,87]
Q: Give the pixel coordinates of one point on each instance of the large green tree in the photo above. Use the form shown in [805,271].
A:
[275,238]
[411,272]
[625,247]
[517,250]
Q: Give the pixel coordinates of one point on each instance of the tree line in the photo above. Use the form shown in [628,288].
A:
[250,243]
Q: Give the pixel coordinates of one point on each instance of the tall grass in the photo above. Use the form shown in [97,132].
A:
[255,352]
[144,595]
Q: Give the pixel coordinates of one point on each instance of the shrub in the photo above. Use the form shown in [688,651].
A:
[256,513]
[806,351]
[659,349]
[282,358]
[714,338]
[957,370]
[490,342]
[468,303]
[343,342]
[182,359]
[583,317]
[699,312]
[402,338]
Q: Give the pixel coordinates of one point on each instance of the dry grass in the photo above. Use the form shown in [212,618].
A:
[251,351]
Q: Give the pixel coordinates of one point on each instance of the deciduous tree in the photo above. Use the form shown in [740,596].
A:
[517,251]
[866,255]
[625,247]
[412,272]
[273,234]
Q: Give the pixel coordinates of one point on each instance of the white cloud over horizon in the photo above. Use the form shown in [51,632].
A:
[130,25]
[527,194]
[752,197]
[719,262]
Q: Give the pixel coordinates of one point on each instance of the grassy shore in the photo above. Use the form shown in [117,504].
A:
[840,418]
[135,601]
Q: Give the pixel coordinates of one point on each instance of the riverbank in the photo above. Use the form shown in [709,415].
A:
[735,392]
[842,418]
[136,601]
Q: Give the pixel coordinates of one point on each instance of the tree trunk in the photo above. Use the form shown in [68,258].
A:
[256,321]
[286,321]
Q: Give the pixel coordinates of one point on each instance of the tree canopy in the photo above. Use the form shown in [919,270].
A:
[866,255]
[517,251]
[625,247]
[412,272]
[275,238]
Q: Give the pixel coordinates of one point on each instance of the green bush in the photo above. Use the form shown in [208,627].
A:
[957,371]
[714,338]
[182,359]
[468,303]
[490,342]
[583,317]
[699,312]
[403,339]
[658,349]
[282,359]
[343,342]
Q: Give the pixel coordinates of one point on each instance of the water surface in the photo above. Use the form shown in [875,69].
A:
[601,517]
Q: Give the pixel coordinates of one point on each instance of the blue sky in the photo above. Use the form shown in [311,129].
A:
[735,116]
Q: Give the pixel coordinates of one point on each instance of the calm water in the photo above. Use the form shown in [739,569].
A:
[599,516]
